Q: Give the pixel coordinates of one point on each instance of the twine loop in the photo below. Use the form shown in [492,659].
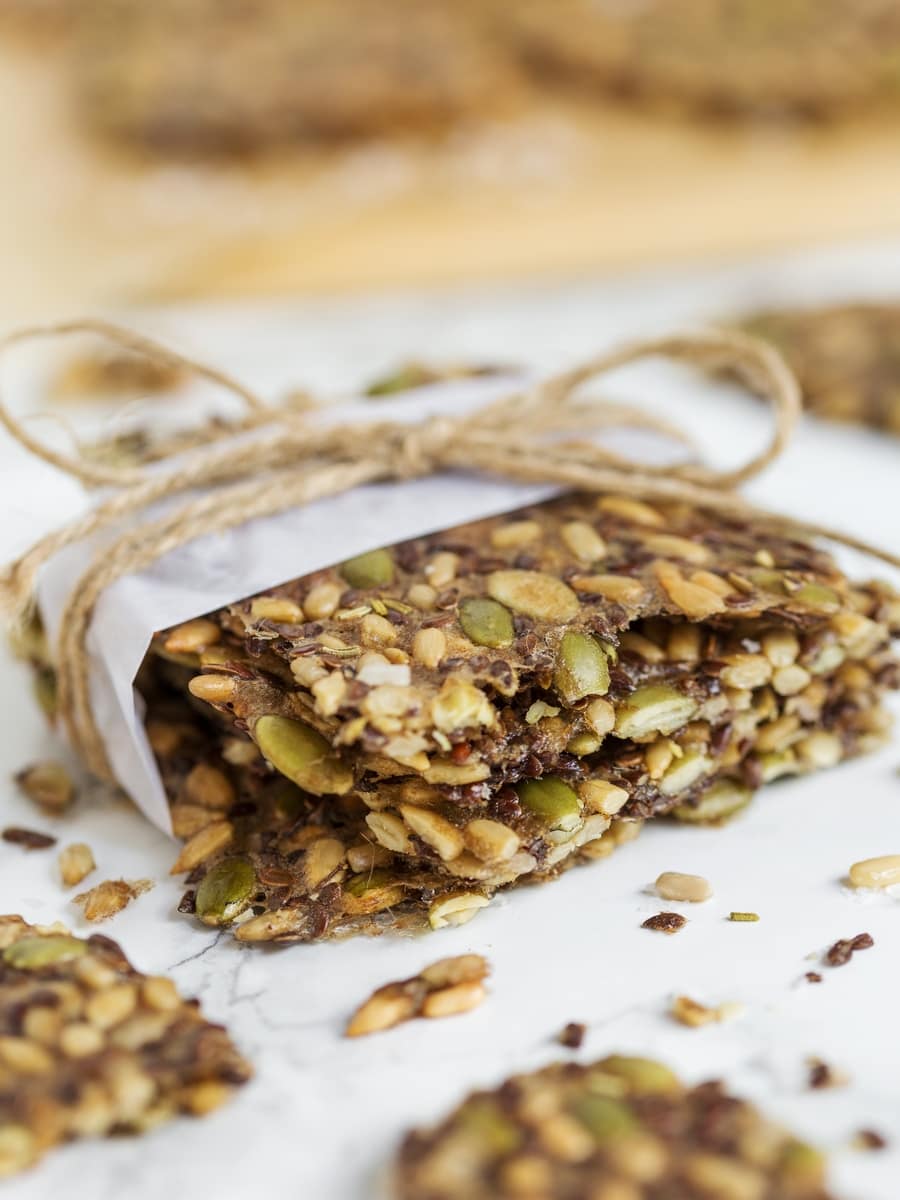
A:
[286,458]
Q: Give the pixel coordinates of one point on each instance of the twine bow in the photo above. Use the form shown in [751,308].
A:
[286,459]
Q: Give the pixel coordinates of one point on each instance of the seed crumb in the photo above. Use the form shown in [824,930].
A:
[743,916]
[443,989]
[844,949]
[813,977]
[876,873]
[693,1013]
[572,1035]
[821,1075]
[870,1139]
[47,784]
[75,863]
[665,922]
[675,885]
[28,839]
[110,897]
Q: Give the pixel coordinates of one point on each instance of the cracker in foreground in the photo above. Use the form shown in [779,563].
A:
[621,1128]
[488,698]
[89,1046]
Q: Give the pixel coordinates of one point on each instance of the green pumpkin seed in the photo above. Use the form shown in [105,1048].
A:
[373,569]
[719,802]
[818,597]
[654,708]
[411,375]
[551,800]
[486,622]
[582,669]
[303,755]
[800,1161]
[604,1117]
[30,953]
[486,1123]
[225,891]
[611,651]
[371,892]
[644,1076]
[778,764]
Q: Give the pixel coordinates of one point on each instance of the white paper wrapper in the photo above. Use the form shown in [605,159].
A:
[217,570]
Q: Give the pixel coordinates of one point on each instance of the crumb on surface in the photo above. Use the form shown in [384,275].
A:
[572,1035]
[665,922]
[843,950]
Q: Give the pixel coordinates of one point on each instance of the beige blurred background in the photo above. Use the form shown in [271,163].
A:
[560,185]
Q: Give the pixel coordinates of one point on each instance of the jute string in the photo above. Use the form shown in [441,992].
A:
[285,458]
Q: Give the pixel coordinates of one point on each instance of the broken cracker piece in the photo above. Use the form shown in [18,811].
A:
[92,1046]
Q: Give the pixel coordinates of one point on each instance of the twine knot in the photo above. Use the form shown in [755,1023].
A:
[423,449]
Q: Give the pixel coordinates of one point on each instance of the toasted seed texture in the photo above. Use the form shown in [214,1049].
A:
[484,711]
[123,1052]
[622,1128]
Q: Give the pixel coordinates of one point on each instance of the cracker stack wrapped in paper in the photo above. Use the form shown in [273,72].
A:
[480,705]
[392,737]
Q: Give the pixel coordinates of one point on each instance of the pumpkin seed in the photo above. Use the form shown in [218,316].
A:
[604,1117]
[534,594]
[551,800]
[225,891]
[373,569]
[817,596]
[582,669]
[303,755]
[654,708]
[719,802]
[645,1076]
[30,953]
[486,623]
[372,892]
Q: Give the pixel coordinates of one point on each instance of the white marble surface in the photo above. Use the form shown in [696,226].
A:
[323,1114]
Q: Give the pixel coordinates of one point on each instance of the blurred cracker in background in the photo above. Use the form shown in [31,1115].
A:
[845,356]
[239,147]
[787,60]
[244,76]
